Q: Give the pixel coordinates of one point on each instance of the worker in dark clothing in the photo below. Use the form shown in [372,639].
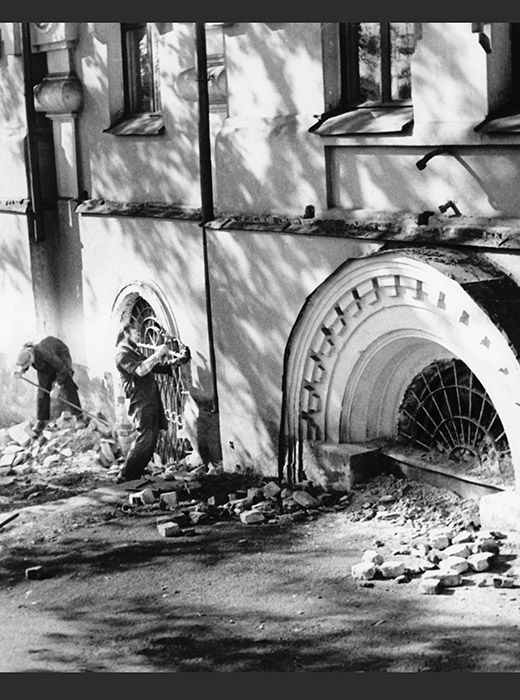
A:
[145,407]
[53,363]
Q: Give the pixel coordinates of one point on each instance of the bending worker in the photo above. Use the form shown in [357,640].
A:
[145,408]
[53,363]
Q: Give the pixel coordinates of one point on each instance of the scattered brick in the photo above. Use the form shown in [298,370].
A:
[391,568]
[370,555]
[249,517]
[35,573]
[480,561]
[504,581]
[448,579]
[168,529]
[6,460]
[271,489]
[458,564]
[364,570]
[430,586]
[457,550]
[21,433]
[305,499]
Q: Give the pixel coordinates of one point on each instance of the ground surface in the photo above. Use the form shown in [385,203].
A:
[272,597]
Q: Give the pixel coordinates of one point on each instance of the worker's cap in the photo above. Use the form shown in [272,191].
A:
[25,356]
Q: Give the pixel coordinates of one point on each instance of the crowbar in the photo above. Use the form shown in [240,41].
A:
[65,401]
[8,520]
[171,357]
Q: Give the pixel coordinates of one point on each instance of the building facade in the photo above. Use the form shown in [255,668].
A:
[327,214]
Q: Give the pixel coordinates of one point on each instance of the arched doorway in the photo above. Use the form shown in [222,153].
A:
[404,344]
[143,304]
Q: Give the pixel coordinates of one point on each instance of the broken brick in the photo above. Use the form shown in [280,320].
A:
[35,573]
[391,568]
[271,489]
[305,499]
[20,433]
[168,529]
[364,570]
[249,517]
[430,586]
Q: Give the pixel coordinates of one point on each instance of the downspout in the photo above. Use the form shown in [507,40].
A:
[206,186]
[33,162]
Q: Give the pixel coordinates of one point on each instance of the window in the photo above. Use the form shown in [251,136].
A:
[515,61]
[142,98]
[367,67]
[375,61]
[140,69]
[505,118]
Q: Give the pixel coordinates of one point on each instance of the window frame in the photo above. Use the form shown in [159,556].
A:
[349,66]
[342,84]
[505,118]
[131,85]
[128,121]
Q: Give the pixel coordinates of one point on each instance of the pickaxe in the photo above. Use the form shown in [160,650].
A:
[78,408]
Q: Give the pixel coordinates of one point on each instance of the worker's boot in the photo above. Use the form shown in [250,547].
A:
[39,426]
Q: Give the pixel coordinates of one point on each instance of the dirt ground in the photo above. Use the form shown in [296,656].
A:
[226,597]
[90,585]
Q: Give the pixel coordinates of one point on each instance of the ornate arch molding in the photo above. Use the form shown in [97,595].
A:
[148,290]
[377,321]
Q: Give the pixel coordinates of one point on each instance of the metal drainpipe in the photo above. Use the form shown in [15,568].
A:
[206,185]
[33,162]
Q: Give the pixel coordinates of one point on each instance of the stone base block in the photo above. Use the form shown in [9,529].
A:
[340,466]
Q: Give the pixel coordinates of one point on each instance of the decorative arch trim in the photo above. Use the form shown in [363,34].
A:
[370,327]
[148,290]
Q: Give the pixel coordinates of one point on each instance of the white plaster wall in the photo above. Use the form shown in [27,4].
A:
[266,161]
[449,79]
[17,314]
[481,182]
[273,69]
[260,282]
[13,182]
[162,168]
[120,251]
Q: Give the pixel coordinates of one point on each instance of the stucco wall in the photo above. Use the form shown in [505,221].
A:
[260,282]
[482,182]
[112,166]
[167,255]
[17,316]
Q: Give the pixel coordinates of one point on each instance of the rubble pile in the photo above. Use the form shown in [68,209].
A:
[204,495]
[69,456]
[415,503]
[185,497]
[445,559]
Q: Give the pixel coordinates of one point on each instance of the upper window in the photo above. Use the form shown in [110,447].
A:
[505,118]
[142,97]
[140,67]
[367,67]
[376,61]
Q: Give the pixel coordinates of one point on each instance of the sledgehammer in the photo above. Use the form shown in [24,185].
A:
[78,408]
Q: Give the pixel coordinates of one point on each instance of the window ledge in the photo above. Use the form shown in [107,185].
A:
[366,120]
[139,125]
[505,120]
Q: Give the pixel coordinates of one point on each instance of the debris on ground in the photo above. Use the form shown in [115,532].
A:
[68,457]
[445,550]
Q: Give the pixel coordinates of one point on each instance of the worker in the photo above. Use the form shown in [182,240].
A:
[52,361]
[145,406]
